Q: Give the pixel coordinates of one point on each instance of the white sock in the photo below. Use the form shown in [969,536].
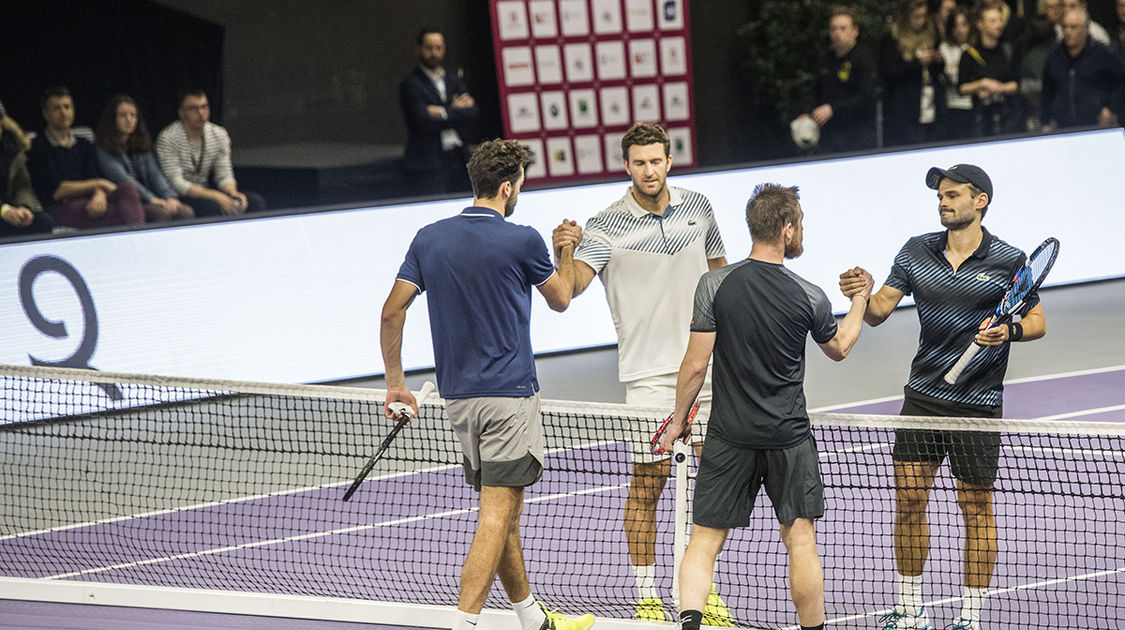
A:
[973,603]
[646,581]
[910,593]
[465,621]
[529,613]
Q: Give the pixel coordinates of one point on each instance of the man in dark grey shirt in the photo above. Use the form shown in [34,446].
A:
[755,314]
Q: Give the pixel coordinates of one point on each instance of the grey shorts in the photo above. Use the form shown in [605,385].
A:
[729,479]
[501,439]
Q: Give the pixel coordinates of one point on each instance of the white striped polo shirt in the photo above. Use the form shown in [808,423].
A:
[650,265]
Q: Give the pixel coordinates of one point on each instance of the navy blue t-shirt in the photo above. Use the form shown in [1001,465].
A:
[479,270]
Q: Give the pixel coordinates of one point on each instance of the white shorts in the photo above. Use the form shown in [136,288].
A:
[660,392]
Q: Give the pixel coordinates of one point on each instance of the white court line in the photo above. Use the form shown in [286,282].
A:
[255,497]
[991,591]
[1014,381]
[321,534]
[1086,412]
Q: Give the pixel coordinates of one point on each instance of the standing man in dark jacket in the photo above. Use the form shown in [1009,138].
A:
[1082,79]
[843,95]
[438,111]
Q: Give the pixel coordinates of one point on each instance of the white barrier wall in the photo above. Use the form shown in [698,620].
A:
[298,298]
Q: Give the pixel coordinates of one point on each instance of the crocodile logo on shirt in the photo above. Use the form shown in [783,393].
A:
[982,277]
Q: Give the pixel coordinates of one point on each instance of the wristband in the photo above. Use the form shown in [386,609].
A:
[1015,331]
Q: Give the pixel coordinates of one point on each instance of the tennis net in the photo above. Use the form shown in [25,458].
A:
[235,488]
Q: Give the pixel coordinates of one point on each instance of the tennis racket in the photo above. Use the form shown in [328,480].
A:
[654,443]
[1024,283]
[406,414]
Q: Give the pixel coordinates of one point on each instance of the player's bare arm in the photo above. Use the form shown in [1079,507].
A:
[570,233]
[390,342]
[881,305]
[838,347]
[1034,326]
[693,370]
[559,288]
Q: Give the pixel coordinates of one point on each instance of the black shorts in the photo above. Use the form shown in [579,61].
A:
[729,479]
[974,456]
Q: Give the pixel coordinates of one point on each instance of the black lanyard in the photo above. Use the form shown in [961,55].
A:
[198,164]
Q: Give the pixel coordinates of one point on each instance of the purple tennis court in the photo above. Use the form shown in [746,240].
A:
[403,536]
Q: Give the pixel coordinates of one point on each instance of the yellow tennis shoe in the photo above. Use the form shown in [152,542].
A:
[650,609]
[558,621]
[716,612]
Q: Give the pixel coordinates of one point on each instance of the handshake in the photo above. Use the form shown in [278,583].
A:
[857,281]
[567,234]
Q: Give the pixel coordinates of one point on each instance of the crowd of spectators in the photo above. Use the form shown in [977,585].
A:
[946,70]
[956,70]
[74,178]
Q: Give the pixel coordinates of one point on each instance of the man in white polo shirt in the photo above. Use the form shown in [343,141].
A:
[649,248]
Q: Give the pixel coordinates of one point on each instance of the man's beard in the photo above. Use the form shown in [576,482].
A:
[957,222]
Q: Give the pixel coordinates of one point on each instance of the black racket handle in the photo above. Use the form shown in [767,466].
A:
[406,414]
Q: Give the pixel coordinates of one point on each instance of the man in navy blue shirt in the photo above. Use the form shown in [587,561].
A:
[479,270]
[957,277]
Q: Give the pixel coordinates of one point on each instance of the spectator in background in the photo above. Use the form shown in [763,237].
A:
[20,212]
[1097,31]
[1011,25]
[844,88]
[1119,29]
[911,65]
[1039,38]
[958,121]
[438,112]
[125,155]
[941,17]
[988,74]
[1082,79]
[195,156]
[65,176]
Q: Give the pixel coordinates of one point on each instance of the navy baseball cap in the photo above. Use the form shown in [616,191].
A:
[962,174]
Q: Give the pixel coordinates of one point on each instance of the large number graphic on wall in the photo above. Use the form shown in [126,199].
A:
[574,74]
[84,351]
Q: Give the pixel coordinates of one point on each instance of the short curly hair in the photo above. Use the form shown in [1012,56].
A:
[644,134]
[495,162]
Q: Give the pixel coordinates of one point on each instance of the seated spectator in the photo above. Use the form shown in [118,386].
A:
[988,74]
[65,176]
[1097,31]
[1082,78]
[910,65]
[844,88]
[20,212]
[125,155]
[195,155]
[959,121]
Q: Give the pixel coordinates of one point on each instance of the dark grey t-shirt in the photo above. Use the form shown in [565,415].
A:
[761,313]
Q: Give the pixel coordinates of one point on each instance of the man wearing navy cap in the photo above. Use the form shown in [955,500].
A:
[957,277]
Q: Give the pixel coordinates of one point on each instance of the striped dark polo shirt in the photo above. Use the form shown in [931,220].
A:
[951,306]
